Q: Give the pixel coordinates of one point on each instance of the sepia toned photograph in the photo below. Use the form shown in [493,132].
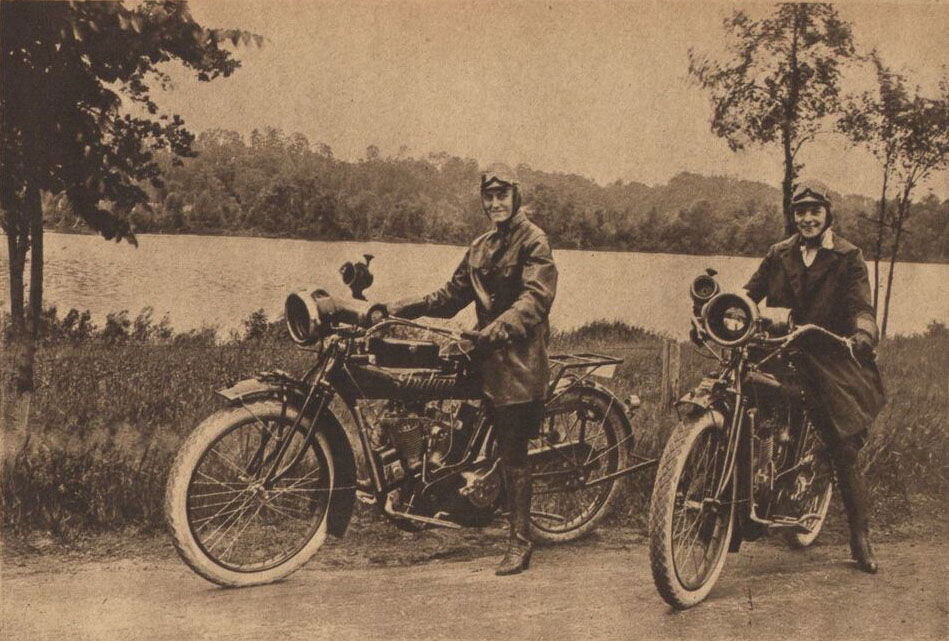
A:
[474,319]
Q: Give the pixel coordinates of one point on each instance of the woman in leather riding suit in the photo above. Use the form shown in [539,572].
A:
[823,279]
[510,276]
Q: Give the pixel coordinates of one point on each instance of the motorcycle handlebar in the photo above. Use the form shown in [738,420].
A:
[797,332]
[464,334]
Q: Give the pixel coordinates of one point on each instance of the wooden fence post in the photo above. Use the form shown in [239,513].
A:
[669,383]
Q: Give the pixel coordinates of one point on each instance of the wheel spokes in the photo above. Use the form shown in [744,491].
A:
[238,520]
[697,514]
[561,488]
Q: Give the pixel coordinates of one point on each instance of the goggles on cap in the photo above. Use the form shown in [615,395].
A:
[808,196]
[497,176]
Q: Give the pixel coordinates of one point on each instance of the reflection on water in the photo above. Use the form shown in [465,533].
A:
[201,280]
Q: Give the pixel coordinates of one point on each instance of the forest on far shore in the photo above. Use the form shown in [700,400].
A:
[274,184]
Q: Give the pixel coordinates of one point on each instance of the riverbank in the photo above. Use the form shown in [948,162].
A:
[112,407]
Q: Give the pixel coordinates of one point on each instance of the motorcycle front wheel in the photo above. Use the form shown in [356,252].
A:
[690,526]
[228,524]
[583,440]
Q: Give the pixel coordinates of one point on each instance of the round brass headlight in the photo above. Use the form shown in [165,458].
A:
[304,320]
[730,319]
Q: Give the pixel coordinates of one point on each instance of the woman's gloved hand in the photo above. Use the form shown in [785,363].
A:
[694,337]
[493,336]
[863,346]
[378,313]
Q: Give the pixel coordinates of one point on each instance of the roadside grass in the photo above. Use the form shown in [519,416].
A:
[113,404]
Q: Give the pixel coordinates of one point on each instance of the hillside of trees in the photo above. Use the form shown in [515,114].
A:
[282,185]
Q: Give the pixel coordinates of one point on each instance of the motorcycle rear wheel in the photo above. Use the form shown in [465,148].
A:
[226,525]
[584,438]
[686,519]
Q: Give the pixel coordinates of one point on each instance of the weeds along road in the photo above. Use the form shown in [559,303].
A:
[591,590]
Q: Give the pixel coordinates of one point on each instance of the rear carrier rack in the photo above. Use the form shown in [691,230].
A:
[585,363]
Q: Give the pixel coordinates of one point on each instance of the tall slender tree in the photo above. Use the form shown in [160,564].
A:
[66,71]
[909,134]
[779,82]
[871,120]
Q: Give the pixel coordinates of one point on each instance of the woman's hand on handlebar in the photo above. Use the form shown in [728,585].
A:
[377,313]
[470,335]
[493,336]
[862,346]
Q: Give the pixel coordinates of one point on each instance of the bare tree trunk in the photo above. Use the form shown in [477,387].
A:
[17,361]
[902,209]
[878,247]
[18,368]
[790,116]
[17,243]
[787,185]
[35,207]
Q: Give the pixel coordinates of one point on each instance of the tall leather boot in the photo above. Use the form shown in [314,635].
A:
[853,492]
[517,558]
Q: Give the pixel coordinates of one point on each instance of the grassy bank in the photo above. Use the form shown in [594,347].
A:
[114,403]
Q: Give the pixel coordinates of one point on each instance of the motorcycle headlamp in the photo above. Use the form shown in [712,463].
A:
[703,288]
[304,316]
[730,319]
[313,314]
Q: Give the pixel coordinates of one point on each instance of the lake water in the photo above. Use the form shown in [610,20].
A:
[209,280]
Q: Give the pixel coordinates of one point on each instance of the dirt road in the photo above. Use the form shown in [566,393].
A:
[593,590]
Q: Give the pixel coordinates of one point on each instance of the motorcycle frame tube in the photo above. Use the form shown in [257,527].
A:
[476,452]
[341,380]
[362,427]
[745,454]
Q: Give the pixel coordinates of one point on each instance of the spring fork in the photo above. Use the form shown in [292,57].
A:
[271,476]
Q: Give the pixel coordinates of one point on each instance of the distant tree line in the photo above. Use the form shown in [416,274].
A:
[275,184]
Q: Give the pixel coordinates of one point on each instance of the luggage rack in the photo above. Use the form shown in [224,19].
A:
[589,362]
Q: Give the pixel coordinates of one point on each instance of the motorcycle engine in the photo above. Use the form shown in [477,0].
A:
[417,430]
[771,437]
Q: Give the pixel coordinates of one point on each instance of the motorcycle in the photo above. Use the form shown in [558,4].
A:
[745,459]
[257,486]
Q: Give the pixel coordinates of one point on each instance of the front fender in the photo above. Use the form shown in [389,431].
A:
[252,389]
[706,396]
[344,460]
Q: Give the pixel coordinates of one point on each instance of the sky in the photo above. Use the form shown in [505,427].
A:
[595,87]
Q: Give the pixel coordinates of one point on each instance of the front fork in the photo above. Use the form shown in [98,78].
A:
[318,397]
[316,400]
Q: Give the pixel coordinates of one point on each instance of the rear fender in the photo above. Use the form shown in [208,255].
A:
[623,411]
[344,460]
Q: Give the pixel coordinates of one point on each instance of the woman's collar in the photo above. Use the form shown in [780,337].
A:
[826,240]
[516,219]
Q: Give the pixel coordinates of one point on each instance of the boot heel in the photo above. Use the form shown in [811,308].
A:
[518,555]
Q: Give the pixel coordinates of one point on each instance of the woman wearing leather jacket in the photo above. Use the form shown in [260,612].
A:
[823,279]
[510,276]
